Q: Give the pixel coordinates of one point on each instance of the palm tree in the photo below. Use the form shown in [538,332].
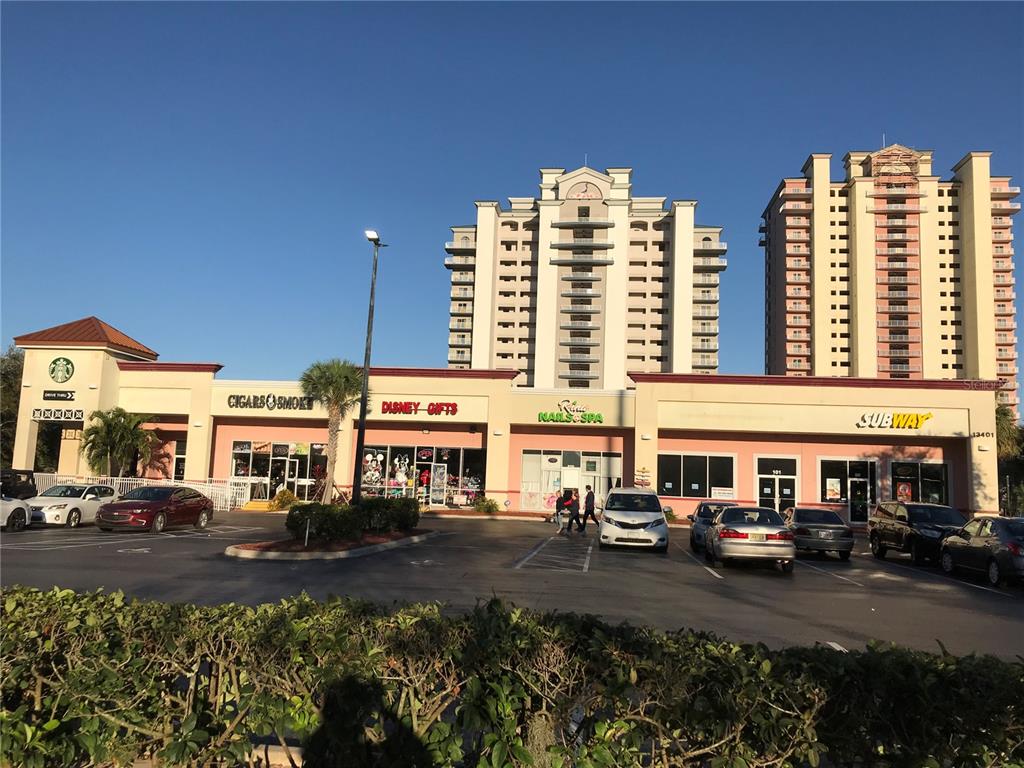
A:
[337,386]
[111,441]
[1008,437]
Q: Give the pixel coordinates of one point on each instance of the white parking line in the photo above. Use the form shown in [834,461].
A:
[712,571]
[947,579]
[586,563]
[533,552]
[101,539]
[828,573]
[836,647]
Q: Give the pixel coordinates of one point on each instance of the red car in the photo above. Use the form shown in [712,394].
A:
[155,507]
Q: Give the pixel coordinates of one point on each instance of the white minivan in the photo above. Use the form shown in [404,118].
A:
[633,517]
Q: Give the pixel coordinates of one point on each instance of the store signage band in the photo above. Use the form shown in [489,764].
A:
[271,402]
[883,420]
[413,408]
[571,412]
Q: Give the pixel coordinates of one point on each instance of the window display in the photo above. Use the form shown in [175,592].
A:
[919,481]
[547,472]
[269,468]
[436,476]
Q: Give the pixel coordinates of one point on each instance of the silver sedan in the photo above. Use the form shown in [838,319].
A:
[751,533]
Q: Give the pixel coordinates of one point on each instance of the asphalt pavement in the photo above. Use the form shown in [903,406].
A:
[844,605]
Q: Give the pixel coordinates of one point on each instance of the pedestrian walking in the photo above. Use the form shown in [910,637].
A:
[573,504]
[588,508]
[560,512]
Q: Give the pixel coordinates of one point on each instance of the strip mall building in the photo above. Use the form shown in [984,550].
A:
[447,436]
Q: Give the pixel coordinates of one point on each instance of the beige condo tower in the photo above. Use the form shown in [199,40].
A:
[584,283]
[892,272]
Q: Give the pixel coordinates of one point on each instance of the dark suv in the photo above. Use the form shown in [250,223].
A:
[17,483]
[913,527]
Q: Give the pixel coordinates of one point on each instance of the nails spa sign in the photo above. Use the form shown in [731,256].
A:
[571,412]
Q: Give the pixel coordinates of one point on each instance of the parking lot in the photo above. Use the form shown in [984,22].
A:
[844,605]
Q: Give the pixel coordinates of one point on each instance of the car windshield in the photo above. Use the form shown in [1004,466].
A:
[708,511]
[65,491]
[632,502]
[751,515]
[149,494]
[817,516]
[1015,528]
[937,515]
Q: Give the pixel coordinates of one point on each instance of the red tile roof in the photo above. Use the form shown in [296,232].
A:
[87,332]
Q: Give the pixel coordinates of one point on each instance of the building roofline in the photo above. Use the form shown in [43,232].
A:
[447,373]
[128,365]
[813,381]
[970,156]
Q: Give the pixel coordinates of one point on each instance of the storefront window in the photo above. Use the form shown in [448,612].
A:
[179,458]
[919,481]
[547,473]
[435,476]
[696,476]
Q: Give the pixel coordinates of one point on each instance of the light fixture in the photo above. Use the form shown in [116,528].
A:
[372,236]
[497,433]
[92,386]
[426,431]
[25,384]
[983,448]
[645,437]
[197,424]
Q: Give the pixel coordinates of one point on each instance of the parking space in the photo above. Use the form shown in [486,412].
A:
[841,604]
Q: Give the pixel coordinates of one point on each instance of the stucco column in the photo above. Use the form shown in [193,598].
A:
[546,333]
[645,435]
[863,286]
[978,299]
[498,449]
[483,285]
[821,298]
[25,438]
[681,338]
[199,445]
[928,242]
[344,465]
[615,286]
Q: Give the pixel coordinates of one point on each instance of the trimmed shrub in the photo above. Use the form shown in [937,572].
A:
[333,522]
[284,499]
[376,512]
[486,506]
[405,514]
[97,679]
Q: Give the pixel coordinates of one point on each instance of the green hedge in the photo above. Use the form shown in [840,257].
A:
[96,679]
[333,522]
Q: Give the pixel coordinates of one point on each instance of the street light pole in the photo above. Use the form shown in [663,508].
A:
[357,479]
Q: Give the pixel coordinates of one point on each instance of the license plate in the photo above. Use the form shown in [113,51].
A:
[824,534]
[757,537]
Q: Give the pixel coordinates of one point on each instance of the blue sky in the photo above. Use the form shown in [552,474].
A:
[200,175]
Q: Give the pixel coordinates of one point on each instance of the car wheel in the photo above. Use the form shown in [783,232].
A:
[17,520]
[602,545]
[876,547]
[844,556]
[916,553]
[995,575]
[661,550]
[159,522]
[203,520]
[709,553]
[946,561]
[786,567]
[74,518]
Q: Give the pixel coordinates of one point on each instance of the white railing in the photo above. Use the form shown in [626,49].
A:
[225,494]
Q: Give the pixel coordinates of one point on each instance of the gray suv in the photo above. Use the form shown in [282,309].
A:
[702,519]
[913,527]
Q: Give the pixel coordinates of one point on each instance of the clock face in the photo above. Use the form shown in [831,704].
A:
[585,191]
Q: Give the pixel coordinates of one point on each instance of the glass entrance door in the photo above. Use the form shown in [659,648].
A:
[859,500]
[776,483]
[767,492]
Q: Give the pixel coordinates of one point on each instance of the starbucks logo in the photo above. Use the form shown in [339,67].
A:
[61,370]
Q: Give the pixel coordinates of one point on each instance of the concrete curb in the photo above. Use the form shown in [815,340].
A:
[252,554]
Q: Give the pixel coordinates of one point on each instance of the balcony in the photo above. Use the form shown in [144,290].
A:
[798,236]
[1005,206]
[897,237]
[797,249]
[1006,191]
[798,349]
[1006,353]
[793,208]
[709,329]
[896,192]
[1003,295]
[894,223]
[1003,310]
[790,192]
[459,246]
[888,279]
[705,361]
[708,264]
[1001,264]
[718,247]
[458,356]
[462,278]
[797,292]
[899,367]
[709,312]
[1002,237]
[570,375]
[886,294]
[581,293]
[462,293]
[581,244]
[798,277]
[705,346]
[798,306]
[460,325]
[894,263]
[897,251]
[798,322]
[577,359]
[1006,325]
[897,309]
[455,309]
[1001,222]
[1007,370]
[705,281]
[798,264]
[571,342]
[581,277]
[890,322]
[579,325]
[898,208]
[460,340]
[795,334]
[702,298]
[460,262]
[582,222]
[573,309]
[581,259]
[798,365]
[902,338]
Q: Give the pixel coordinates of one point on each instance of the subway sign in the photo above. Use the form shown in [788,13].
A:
[570,412]
[890,420]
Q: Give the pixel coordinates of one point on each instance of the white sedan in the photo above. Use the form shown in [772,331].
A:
[13,514]
[69,505]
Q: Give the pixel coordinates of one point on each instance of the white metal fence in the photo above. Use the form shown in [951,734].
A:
[225,494]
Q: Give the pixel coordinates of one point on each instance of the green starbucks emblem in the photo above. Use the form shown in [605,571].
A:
[61,370]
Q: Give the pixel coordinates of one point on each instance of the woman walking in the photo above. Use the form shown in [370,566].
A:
[573,504]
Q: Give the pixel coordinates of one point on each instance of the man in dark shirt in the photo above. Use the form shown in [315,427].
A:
[588,508]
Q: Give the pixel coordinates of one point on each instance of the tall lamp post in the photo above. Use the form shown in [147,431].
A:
[357,479]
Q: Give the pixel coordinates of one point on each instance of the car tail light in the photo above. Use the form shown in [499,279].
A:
[1016,549]
[802,532]
[781,536]
[729,533]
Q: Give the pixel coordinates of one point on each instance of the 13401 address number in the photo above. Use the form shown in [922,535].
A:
[983,434]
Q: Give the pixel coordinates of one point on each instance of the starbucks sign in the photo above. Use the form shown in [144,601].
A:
[61,370]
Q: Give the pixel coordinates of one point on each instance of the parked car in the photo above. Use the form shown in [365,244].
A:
[992,545]
[750,533]
[702,518]
[914,527]
[13,514]
[156,507]
[820,530]
[17,483]
[633,517]
[69,505]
